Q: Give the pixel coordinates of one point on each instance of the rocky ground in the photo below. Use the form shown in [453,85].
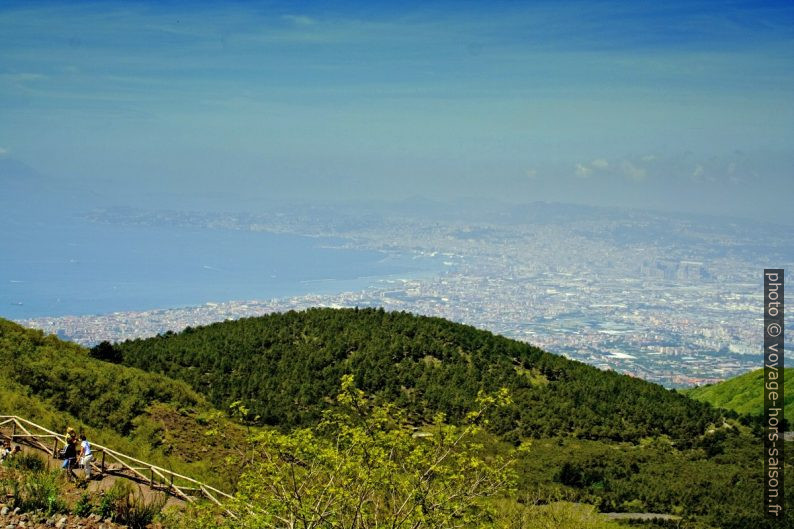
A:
[69,493]
[14,519]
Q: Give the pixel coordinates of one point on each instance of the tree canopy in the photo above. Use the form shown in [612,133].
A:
[285,367]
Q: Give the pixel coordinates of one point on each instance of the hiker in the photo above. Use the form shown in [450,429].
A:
[85,456]
[5,451]
[69,456]
[70,434]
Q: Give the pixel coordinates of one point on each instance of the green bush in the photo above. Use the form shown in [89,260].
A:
[129,507]
[42,491]
[83,507]
[203,515]
[364,466]
[105,506]
[23,461]
[9,488]
[555,515]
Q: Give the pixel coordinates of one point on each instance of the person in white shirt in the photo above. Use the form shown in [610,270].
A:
[86,456]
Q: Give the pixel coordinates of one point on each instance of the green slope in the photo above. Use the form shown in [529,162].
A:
[744,394]
[602,438]
[286,367]
[57,384]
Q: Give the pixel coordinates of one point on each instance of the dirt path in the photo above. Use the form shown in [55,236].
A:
[99,482]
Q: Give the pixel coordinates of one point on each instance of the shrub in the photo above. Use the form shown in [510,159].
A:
[23,461]
[9,488]
[129,507]
[107,503]
[105,506]
[42,491]
[83,507]
[364,466]
[200,516]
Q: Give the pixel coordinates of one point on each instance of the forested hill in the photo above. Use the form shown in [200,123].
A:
[286,367]
[41,372]
[745,393]
[146,415]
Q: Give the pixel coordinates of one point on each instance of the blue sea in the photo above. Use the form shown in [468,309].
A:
[75,267]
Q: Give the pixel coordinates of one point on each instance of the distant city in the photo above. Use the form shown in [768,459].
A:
[673,300]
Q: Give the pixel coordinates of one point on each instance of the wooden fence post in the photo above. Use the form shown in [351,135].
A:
[35,440]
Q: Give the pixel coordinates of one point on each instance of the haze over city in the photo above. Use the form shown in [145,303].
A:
[427,264]
[606,180]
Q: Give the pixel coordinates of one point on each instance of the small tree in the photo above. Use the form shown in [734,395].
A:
[364,466]
[105,351]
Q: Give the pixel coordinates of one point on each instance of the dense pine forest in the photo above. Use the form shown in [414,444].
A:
[285,367]
[577,436]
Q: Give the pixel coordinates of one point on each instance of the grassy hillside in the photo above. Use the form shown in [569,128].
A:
[57,384]
[744,394]
[286,367]
[597,437]
[602,438]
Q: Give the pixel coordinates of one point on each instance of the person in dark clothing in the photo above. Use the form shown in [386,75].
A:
[70,455]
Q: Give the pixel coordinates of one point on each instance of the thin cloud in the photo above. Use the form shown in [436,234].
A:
[633,172]
[22,77]
[586,170]
[583,171]
[299,20]
[697,173]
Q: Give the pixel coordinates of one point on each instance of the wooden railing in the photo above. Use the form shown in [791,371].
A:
[185,488]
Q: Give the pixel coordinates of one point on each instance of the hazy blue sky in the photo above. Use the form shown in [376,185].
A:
[673,105]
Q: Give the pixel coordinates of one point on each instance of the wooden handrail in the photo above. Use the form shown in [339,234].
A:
[123,459]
